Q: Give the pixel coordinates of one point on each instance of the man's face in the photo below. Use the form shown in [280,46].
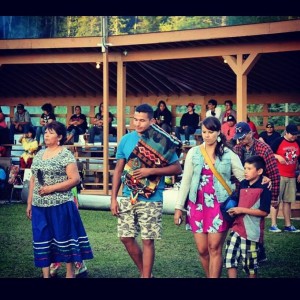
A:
[189,108]
[246,140]
[290,137]
[141,121]
[210,106]
[20,110]
[230,123]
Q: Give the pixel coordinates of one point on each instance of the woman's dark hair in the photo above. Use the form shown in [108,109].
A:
[158,105]
[47,107]
[213,124]
[161,102]
[228,102]
[59,128]
[77,106]
[32,131]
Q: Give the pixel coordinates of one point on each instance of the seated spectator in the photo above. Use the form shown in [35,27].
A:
[269,135]
[163,117]
[228,129]
[4,132]
[228,111]
[213,110]
[253,128]
[30,146]
[77,125]
[20,123]
[46,117]
[188,124]
[97,126]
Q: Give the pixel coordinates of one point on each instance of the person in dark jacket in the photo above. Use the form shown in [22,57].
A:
[163,117]
[188,124]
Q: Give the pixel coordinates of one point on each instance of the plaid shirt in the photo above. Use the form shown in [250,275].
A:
[272,170]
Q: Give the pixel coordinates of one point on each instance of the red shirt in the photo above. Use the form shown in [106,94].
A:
[291,152]
[228,131]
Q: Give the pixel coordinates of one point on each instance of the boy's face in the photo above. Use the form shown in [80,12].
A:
[251,173]
[141,121]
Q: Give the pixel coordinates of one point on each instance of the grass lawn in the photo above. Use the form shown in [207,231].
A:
[176,255]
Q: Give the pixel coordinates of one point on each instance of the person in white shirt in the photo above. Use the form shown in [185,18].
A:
[213,110]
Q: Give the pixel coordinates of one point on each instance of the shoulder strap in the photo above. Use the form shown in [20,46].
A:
[216,173]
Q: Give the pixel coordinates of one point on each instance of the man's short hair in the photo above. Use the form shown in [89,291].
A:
[20,106]
[213,102]
[145,108]
[258,162]
[47,107]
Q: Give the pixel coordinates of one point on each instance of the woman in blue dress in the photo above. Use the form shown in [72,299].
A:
[58,231]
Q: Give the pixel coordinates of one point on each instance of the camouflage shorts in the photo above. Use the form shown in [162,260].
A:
[143,217]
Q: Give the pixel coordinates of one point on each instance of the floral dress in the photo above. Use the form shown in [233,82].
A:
[205,215]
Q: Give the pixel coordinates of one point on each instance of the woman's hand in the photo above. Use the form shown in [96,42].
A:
[45,190]
[29,211]
[178,217]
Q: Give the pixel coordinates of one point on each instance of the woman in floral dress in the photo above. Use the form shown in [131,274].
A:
[205,195]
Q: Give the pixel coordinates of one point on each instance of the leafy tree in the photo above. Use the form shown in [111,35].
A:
[118,25]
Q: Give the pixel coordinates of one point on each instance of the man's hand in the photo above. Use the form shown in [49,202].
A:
[142,173]
[275,204]
[114,207]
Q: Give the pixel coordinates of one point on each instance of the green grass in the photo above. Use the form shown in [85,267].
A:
[176,255]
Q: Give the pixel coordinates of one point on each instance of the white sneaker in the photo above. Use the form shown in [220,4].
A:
[274,228]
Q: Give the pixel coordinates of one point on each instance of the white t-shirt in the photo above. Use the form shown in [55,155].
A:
[217,111]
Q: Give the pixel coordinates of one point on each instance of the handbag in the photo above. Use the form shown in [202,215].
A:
[232,200]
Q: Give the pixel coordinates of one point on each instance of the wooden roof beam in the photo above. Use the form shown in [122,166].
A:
[148,55]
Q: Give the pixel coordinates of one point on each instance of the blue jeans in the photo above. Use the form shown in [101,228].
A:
[187,132]
[40,130]
[75,131]
[94,130]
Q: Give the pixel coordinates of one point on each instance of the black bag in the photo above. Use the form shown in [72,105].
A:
[231,201]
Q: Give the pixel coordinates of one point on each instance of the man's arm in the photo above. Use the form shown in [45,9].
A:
[272,173]
[173,169]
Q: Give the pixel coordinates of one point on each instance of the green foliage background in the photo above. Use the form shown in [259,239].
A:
[13,27]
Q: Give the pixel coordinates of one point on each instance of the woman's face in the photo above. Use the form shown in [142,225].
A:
[77,111]
[209,136]
[162,107]
[51,138]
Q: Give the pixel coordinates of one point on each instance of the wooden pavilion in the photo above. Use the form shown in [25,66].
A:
[249,64]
